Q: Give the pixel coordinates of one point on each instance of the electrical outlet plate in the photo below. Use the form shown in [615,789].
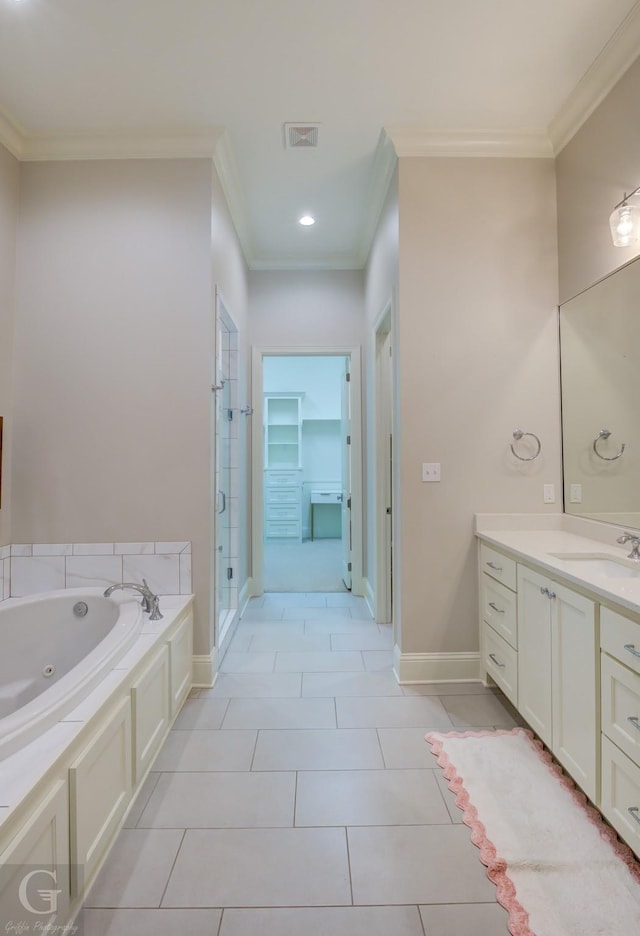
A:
[431,471]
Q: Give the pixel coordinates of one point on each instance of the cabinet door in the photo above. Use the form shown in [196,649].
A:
[534,651]
[573,686]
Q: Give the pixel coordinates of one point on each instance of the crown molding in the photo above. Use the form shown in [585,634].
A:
[225,163]
[73,146]
[384,164]
[471,143]
[616,57]
[12,135]
[327,262]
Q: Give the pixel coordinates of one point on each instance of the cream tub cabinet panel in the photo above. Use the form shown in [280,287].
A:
[42,845]
[100,791]
[181,661]
[150,708]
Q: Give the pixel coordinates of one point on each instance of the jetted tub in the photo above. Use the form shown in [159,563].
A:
[54,648]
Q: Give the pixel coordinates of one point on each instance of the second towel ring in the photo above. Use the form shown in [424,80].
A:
[604,434]
[519,434]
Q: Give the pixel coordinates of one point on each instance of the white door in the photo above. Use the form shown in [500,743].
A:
[345,429]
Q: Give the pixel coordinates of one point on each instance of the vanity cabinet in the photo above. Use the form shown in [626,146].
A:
[620,682]
[498,603]
[557,688]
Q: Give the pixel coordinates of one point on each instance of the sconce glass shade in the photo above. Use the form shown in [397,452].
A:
[625,225]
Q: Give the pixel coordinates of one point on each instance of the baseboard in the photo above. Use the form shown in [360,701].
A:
[205,669]
[246,592]
[369,596]
[436,667]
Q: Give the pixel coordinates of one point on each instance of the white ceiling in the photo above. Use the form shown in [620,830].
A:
[164,77]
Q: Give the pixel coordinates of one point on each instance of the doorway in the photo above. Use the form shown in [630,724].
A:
[306,469]
[383,409]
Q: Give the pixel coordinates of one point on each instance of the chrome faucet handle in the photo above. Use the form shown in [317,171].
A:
[154,610]
[635,543]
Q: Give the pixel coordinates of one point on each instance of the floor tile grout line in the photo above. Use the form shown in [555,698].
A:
[384,760]
[253,755]
[346,836]
[219,930]
[173,864]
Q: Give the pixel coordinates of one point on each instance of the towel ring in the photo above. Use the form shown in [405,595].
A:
[604,434]
[519,434]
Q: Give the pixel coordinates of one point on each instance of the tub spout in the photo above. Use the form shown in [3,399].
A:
[150,602]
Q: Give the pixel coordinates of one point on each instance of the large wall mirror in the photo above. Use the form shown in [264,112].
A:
[600,360]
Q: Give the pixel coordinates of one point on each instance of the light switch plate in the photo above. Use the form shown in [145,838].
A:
[575,493]
[549,493]
[431,471]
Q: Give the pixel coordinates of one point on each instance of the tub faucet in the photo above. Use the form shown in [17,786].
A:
[635,543]
[150,602]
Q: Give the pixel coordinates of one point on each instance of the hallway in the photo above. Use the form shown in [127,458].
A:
[298,795]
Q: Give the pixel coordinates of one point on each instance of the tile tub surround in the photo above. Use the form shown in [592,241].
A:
[310,797]
[28,569]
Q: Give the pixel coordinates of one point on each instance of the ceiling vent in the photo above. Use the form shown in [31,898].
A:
[297,136]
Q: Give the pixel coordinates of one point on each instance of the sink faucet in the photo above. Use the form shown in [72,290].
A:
[635,543]
[150,602]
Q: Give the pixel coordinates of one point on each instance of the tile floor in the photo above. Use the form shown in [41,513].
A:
[298,796]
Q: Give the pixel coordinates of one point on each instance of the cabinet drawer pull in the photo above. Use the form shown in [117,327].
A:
[632,649]
[633,812]
[494,567]
[635,721]
[544,591]
[497,661]
[496,608]
[551,594]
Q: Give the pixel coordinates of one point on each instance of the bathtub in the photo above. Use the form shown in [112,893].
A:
[54,649]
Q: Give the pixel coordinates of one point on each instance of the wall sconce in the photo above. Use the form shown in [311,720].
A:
[625,222]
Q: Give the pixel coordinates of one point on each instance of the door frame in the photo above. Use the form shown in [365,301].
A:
[383,408]
[257,460]
[222,314]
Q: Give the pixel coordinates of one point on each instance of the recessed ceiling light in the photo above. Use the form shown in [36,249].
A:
[306,220]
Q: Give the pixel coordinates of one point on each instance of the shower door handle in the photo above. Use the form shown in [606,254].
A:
[222,495]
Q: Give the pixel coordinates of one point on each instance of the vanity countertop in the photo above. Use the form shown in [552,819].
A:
[540,546]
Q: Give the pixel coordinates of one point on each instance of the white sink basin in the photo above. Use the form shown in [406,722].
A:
[603,566]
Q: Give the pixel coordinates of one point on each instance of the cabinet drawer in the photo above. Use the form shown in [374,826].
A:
[499,610]
[277,530]
[621,706]
[283,495]
[620,637]
[498,566]
[276,478]
[501,663]
[289,512]
[621,793]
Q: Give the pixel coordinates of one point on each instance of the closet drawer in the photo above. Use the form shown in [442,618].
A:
[621,706]
[276,478]
[620,638]
[501,663]
[282,513]
[498,566]
[499,609]
[283,495]
[280,530]
[621,793]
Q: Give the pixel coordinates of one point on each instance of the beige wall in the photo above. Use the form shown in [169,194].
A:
[306,309]
[112,354]
[381,285]
[9,194]
[477,333]
[594,170]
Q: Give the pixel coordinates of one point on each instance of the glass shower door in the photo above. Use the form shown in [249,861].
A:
[224,605]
